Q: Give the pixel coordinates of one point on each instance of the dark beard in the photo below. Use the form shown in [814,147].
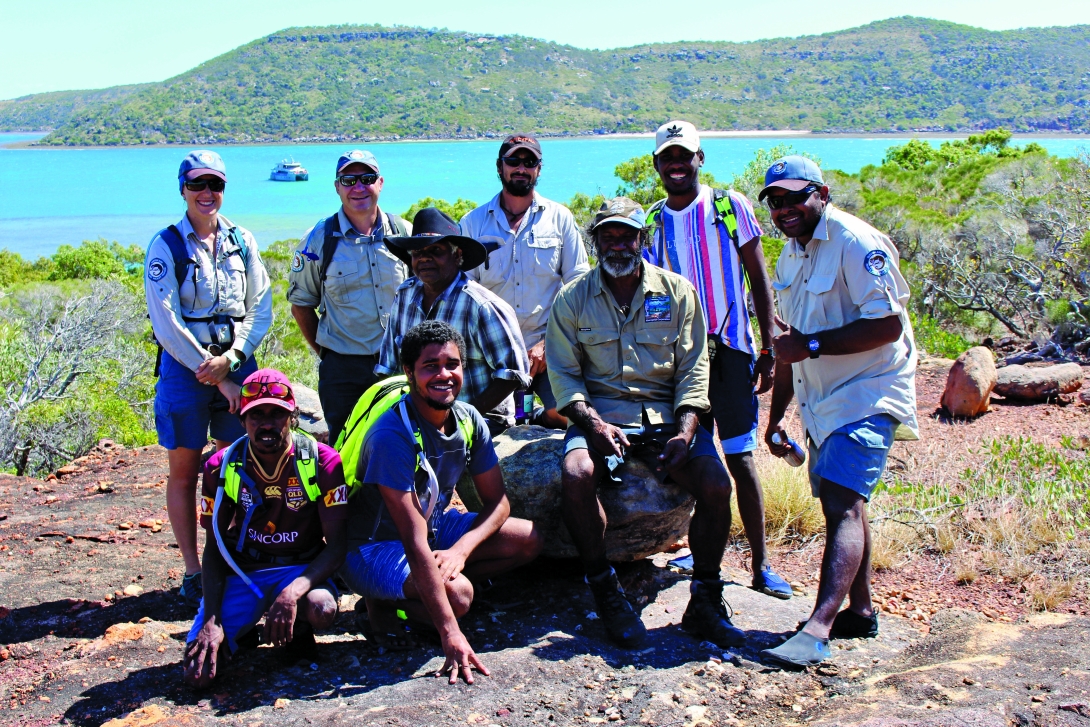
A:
[518,187]
[437,405]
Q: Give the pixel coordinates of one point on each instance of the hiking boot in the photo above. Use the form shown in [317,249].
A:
[192,590]
[768,582]
[801,650]
[622,623]
[707,618]
[850,625]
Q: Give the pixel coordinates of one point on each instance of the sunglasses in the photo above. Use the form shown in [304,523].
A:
[198,185]
[516,162]
[273,388]
[349,180]
[790,199]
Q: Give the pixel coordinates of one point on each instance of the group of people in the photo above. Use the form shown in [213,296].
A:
[446,327]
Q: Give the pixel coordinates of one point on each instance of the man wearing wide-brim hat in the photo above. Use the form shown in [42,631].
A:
[496,362]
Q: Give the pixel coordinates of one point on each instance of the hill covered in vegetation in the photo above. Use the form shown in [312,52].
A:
[47,111]
[370,82]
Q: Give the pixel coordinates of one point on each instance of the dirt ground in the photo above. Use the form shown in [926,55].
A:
[90,630]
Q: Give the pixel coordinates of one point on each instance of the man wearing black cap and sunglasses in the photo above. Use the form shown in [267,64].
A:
[848,356]
[534,248]
[496,363]
[344,268]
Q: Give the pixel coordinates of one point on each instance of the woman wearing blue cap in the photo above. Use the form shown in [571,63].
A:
[210,306]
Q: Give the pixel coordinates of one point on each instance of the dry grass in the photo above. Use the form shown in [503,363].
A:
[791,512]
[1047,595]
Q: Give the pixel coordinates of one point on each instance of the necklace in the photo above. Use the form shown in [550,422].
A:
[625,309]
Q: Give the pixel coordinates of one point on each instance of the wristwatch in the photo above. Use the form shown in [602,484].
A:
[236,359]
[814,344]
[770,352]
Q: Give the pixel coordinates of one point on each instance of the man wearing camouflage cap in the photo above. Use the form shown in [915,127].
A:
[344,269]
[627,346]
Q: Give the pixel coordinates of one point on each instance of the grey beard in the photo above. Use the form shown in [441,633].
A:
[620,265]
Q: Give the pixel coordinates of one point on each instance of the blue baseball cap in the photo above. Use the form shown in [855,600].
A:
[200,163]
[792,173]
[357,156]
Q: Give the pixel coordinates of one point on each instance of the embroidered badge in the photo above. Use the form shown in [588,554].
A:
[876,262]
[294,496]
[617,207]
[778,167]
[272,491]
[205,157]
[207,503]
[336,496]
[297,262]
[244,499]
[674,131]
[157,269]
[656,308]
[355,154]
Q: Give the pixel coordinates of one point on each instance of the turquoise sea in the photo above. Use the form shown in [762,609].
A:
[50,197]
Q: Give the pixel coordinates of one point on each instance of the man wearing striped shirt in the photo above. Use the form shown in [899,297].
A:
[712,238]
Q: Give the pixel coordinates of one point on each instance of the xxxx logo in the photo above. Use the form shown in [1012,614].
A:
[336,496]
[207,503]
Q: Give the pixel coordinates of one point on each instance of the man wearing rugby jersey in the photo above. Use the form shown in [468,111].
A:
[712,238]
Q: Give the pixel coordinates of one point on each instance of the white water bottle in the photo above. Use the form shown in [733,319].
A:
[796,456]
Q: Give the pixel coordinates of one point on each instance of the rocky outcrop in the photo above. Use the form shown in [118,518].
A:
[644,516]
[311,417]
[970,382]
[1036,384]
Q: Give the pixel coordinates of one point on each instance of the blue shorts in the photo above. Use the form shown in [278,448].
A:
[380,569]
[544,390]
[242,608]
[853,456]
[734,403]
[184,407]
[703,445]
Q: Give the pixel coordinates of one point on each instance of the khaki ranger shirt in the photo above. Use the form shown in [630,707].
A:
[360,283]
[653,360]
[846,272]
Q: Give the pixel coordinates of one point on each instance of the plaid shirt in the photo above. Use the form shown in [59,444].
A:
[494,346]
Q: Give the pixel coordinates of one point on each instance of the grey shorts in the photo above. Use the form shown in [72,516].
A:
[703,445]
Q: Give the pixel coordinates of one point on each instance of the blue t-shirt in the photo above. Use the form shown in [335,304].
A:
[388,459]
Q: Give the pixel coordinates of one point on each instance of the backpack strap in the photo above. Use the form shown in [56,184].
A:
[724,213]
[398,225]
[176,243]
[667,249]
[306,462]
[329,244]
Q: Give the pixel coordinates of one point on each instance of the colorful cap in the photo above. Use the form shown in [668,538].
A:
[281,395]
[200,163]
[514,142]
[622,210]
[677,133]
[357,156]
[792,173]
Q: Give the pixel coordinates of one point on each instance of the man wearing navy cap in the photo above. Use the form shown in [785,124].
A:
[344,268]
[852,357]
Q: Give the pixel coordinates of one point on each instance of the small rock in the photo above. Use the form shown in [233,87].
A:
[133,590]
[145,620]
[1080,708]
[281,703]
[68,469]
[124,526]
[970,382]
[122,632]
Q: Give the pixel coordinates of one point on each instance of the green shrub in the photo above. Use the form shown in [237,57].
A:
[932,338]
[457,210]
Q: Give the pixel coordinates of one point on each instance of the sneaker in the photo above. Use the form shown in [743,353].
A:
[768,582]
[850,625]
[622,623]
[801,650]
[707,618]
[192,590]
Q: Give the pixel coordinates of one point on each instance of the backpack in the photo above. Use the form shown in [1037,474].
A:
[724,219]
[329,245]
[376,401]
[233,477]
[176,243]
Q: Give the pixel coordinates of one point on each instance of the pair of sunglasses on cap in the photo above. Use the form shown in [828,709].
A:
[273,389]
[198,185]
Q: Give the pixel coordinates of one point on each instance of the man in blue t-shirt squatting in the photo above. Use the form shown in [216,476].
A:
[419,558]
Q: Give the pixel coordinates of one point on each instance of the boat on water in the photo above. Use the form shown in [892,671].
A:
[289,170]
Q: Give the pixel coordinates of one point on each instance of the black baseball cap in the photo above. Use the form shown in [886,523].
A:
[514,142]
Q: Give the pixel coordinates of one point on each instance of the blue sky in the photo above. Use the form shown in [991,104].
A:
[52,45]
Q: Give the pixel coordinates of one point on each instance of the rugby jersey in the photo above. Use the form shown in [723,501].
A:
[711,264]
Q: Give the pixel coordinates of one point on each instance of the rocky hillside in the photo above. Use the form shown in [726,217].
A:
[349,82]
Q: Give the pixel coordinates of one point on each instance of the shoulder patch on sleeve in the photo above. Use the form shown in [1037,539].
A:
[876,263]
[337,496]
[297,261]
[157,268]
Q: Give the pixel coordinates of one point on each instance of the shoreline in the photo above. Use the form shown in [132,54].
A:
[710,134]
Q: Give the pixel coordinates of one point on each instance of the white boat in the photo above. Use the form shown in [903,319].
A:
[289,170]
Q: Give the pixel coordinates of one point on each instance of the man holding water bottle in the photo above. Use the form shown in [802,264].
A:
[849,345]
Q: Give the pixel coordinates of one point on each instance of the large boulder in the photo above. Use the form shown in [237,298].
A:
[311,417]
[1036,384]
[644,517]
[970,382]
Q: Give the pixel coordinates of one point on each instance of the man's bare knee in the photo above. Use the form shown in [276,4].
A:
[577,474]
[460,595]
[707,480]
